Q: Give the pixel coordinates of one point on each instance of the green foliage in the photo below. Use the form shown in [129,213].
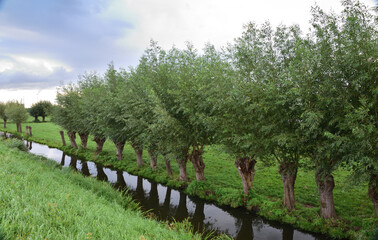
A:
[40,109]
[16,143]
[2,111]
[16,112]
[67,111]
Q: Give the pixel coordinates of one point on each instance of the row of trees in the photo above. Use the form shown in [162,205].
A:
[13,111]
[273,95]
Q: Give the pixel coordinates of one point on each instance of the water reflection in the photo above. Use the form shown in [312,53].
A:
[63,159]
[100,173]
[85,169]
[167,203]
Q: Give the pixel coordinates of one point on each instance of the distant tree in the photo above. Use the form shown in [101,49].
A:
[40,109]
[46,109]
[2,113]
[17,113]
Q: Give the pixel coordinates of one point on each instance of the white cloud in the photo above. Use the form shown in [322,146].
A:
[28,96]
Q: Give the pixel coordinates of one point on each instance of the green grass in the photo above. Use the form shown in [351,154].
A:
[39,200]
[223,185]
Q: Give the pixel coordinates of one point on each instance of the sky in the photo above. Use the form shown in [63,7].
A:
[45,43]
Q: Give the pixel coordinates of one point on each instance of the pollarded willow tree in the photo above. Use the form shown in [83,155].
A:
[17,113]
[92,106]
[281,104]
[325,99]
[2,113]
[182,111]
[66,114]
[357,54]
[163,85]
[114,123]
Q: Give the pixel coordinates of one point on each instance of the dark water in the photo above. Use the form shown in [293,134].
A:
[168,204]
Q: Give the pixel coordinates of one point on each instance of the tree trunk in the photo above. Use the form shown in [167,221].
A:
[326,185]
[72,137]
[198,164]
[5,123]
[182,167]
[167,162]
[246,169]
[62,136]
[43,118]
[288,172]
[119,145]
[84,139]
[373,191]
[139,153]
[153,158]
[30,131]
[35,118]
[27,130]
[100,143]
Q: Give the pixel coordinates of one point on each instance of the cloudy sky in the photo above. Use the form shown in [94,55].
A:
[45,43]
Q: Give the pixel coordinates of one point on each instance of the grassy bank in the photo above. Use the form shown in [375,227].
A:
[223,185]
[38,200]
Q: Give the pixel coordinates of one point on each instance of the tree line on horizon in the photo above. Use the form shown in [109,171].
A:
[273,95]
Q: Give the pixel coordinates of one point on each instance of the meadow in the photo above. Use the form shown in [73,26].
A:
[356,214]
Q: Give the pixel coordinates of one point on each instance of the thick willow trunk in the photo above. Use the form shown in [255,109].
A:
[19,127]
[288,172]
[62,136]
[326,185]
[246,169]
[43,118]
[35,118]
[198,164]
[5,123]
[139,154]
[167,162]
[99,143]
[153,158]
[119,146]
[72,137]
[84,139]
[373,191]
[182,168]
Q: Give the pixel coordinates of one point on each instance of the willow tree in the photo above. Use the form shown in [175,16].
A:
[66,113]
[163,91]
[92,105]
[2,114]
[114,124]
[357,55]
[17,113]
[324,101]
[282,105]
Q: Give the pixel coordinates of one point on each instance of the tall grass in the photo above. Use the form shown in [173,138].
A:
[39,200]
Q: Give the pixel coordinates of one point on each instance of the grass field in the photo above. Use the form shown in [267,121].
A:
[39,200]
[223,185]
